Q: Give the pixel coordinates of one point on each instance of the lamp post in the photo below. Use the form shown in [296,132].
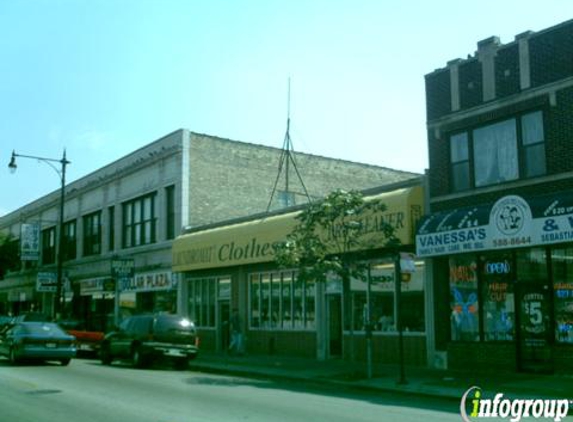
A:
[60,232]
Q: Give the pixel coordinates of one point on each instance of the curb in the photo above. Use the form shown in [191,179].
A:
[320,381]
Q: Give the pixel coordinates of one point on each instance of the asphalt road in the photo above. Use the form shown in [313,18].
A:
[86,391]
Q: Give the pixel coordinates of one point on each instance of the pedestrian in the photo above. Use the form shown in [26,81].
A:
[236,346]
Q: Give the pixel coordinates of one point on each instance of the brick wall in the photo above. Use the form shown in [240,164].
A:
[300,344]
[551,53]
[507,71]
[232,179]
[385,349]
[471,86]
[482,356]
[438,94]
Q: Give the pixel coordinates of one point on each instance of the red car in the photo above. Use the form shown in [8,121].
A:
[87,341]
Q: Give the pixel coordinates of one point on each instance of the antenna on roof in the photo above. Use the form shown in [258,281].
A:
[287,158]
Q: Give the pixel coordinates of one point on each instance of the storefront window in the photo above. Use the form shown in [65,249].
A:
[202,299]
[265,302]
[309,304]
[275,299]
[563,289]
[383,299]
[532,265]
[280,300]
[255,296]
[464,303]
[286,300]
[298,303]
[498,297]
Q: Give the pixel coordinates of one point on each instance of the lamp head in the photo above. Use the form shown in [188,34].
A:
[12,166]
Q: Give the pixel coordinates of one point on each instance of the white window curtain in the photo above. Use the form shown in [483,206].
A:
[495,153]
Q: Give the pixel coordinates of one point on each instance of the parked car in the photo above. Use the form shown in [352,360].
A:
[31,317]
[147,338]
[37,340]
[87,341]
[5,320]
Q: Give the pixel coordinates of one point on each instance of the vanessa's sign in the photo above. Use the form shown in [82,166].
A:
[511,222]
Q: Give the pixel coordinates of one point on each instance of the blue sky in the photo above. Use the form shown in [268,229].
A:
[102,78]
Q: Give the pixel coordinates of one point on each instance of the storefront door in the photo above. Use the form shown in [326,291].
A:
[534,328]
[334,321]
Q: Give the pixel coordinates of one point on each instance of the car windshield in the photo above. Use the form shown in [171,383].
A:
[174,324]
[42,329]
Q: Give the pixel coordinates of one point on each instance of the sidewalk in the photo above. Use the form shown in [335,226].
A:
[420,381]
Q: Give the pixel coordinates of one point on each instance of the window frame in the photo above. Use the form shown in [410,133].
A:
[170,212]
[49,246]
[69,243]
[92,233]
[138,228]
[288,308]
[521,148]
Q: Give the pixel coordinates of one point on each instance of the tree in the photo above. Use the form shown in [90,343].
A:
[9,257]
[332,236]
[332,233]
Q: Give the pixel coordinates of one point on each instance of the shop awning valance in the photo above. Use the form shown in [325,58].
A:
[252,241]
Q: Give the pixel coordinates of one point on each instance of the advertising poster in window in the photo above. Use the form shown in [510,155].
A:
[464,303]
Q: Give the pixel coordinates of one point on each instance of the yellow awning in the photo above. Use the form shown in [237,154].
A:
[252,241]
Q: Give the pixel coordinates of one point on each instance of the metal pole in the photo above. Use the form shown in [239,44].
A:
[60,245]
[398,284]
[56,308]
[369,325]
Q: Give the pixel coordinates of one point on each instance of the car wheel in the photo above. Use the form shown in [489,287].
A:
[105,355]
[182,363]
[12,357]
[65,362]
[137,358]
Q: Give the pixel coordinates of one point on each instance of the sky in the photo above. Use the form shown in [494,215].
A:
[102,78]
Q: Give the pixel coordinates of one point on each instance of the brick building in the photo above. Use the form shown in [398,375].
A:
[499,232]
[132,209]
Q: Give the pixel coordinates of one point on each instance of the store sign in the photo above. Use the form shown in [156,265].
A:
[149,282]
[511,222]
[382,279]
[122,271]
[30,242]
[97,285]
[46,282]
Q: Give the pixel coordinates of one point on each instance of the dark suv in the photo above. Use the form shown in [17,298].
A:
[145,338]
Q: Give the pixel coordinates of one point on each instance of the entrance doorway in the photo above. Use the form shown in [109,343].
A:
[334,318]
[534,332]
[223,316]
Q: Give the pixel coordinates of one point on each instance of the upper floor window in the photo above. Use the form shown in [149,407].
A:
[533,144]
[69,241]
[170,212]
[111,228]
[139,223]
[495,153]
[49,246]
[92,234]
[460,158]
[501,152]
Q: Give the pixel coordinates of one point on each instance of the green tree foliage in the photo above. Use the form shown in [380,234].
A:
[9,257]
[330,233]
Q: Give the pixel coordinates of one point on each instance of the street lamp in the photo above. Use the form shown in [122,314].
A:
[60,235]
